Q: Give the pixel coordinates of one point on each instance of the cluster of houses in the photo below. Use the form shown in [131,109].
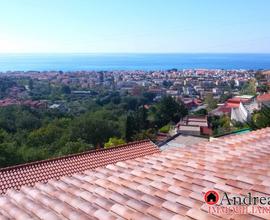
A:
[31,103]
[194,128]
[194,125]
[240,108]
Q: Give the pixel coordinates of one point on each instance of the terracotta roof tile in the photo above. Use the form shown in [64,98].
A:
[42,171]
[122,211]
[160,213]
[166,185]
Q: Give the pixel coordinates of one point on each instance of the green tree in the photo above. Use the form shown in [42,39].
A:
[210,102]
[149,96]
[13,118]
[66,89]
[200,112]
[145,134]
[263,88]
[3,135]
[30,84]
[28,154]
[5,84]
[225,122]
[142,121]
[72,147]
[94,131]
[131,102]
[8,154]
[131,127]
[27,120]
[169,110]
[45,136]
[136,122]
[249,88]
[261,119]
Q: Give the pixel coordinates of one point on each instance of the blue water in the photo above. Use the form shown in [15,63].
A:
[72,62]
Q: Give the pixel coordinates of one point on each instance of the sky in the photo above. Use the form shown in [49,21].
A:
[134,26]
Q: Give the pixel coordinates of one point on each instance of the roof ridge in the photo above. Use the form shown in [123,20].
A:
[42,171]
[70,155]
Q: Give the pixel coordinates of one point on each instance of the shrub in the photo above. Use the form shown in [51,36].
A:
[113,142]
[165,129]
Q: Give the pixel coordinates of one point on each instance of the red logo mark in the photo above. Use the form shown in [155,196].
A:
[211,197]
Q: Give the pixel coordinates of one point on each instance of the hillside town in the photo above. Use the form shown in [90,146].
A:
[190,83]
[235,94]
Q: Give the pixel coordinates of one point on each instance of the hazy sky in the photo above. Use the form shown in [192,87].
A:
[134,26]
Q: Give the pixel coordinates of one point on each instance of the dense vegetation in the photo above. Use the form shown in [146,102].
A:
[222,124]
[103,118]
[261,119]
[28,134]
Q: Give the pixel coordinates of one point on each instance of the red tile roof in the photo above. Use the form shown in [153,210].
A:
[235,102]
[231,103]
[238,100]
[42,171]
[222,109]
[264,98]
[166,185]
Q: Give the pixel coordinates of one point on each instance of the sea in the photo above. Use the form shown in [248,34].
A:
[77,62]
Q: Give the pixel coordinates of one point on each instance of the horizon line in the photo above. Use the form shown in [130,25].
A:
[152,53]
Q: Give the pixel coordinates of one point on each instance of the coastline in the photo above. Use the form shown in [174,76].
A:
[132,61]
